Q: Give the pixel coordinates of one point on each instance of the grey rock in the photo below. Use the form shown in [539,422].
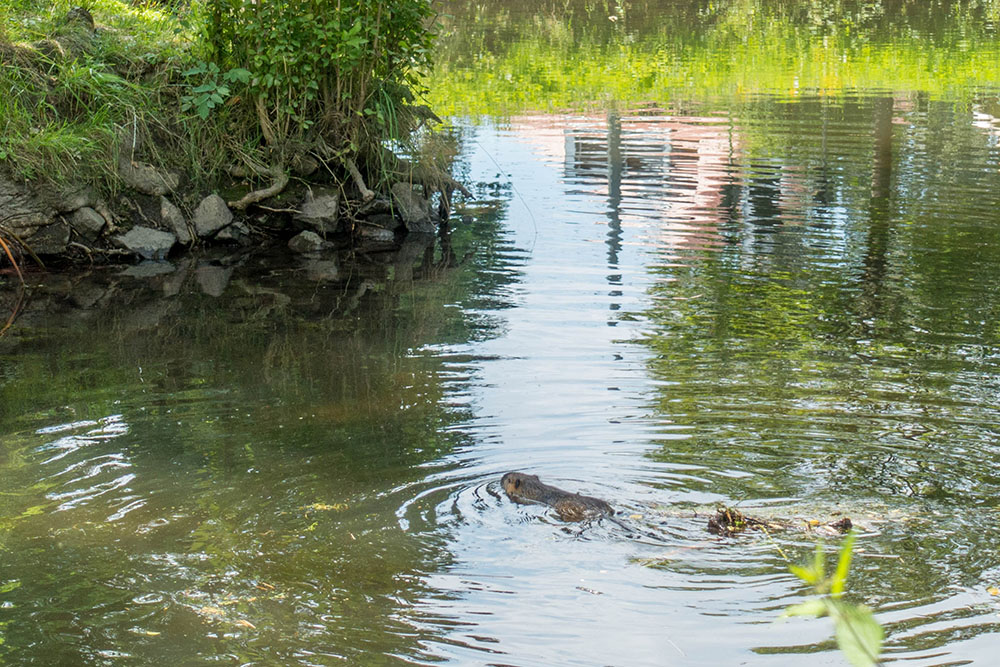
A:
[213,279]
[376,205]
[211,215]
[87,222]
[49,239]
[235,232]
[149,316]
[414,210]
[304,165]
[149,269]
[172,216]
[306,242]
[146,178]
[21,209]
[321,270]
[71,200]
[86,296]
[320,210]
[148,243]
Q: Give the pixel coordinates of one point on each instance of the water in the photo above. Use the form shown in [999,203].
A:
[780,298]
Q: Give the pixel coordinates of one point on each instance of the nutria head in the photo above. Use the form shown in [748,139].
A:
[512,481]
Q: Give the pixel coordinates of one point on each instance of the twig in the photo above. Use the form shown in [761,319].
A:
[74,244]
[102,251]
[278,210]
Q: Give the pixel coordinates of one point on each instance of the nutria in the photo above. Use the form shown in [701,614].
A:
[522,488]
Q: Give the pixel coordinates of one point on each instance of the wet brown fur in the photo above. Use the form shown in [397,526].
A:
[522,488]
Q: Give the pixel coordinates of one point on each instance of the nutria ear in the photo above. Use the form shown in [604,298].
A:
[517,484]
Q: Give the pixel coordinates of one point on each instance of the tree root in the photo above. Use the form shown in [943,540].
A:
[366,194]
[277,185]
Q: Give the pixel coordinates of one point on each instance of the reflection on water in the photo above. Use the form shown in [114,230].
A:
[782,301]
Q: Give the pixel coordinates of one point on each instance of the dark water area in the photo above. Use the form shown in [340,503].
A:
[785,300]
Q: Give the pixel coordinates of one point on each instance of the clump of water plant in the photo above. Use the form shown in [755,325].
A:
[857,632]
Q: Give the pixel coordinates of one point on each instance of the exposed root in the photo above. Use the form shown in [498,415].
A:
[426,174]
[13,261]
[15,311]
[277,185]
[366,194]
[266,126]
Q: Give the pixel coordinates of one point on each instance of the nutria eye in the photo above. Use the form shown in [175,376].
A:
[517,484]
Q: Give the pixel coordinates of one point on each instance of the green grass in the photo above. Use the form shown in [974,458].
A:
[60,118]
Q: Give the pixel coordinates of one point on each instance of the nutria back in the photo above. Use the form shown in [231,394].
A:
[522,488]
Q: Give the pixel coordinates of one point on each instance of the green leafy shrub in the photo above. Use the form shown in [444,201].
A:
[324,74]
[214,89]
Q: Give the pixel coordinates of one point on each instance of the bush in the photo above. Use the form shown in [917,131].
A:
[326,76]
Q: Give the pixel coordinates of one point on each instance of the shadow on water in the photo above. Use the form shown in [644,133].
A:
[205,457]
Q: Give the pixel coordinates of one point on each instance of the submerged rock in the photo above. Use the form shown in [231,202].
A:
[306,243]
[149,269]
[211,215]
[213,279]
[321,270]
[148,243]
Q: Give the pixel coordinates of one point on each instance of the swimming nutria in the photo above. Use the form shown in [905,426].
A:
[522,488]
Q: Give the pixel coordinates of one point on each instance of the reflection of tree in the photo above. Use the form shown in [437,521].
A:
[806,349]
[615,163]
[873,289]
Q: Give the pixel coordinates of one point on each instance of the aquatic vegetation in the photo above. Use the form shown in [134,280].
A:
[857,632]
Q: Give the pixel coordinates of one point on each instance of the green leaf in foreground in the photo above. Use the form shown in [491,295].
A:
[858,634]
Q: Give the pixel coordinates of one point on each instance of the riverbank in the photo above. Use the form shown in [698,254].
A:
[125,139]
